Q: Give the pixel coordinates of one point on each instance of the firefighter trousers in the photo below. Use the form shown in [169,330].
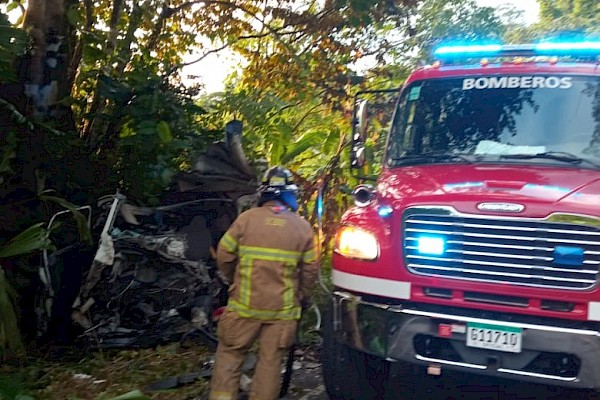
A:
[236,336]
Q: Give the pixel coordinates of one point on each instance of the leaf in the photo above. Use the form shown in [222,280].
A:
[146,128]
[12,6]
[13,39]
[307,141]
[74,16]
[10,337]
[31,239]
[91,53]
[276,151]
[112,88]
[133,395]
[166,176]
[164,131]
[6,157]
[15,114]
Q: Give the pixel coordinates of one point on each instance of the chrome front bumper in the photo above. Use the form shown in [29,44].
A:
[549,354]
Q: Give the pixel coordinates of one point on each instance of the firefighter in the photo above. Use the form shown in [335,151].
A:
[268,255]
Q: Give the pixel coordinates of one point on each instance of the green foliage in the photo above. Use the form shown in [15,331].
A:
[32,239]
[147,130]
[8,153]
[575,16]
[109,375]
[13,43]
[132,395]
[442,21]
[12,387]
[158,138]
[11,343]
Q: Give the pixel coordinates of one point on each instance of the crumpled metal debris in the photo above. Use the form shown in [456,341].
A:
[153,278]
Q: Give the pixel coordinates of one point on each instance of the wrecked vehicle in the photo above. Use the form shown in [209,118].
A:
[152,278]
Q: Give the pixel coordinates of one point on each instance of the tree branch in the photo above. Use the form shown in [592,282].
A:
[115,16]
[78,50]
[202,57]
[164,14]
[125,52]
[301,121]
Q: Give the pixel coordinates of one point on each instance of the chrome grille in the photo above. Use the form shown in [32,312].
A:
[508,250]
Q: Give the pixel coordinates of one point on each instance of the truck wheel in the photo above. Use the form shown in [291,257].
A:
[351,374]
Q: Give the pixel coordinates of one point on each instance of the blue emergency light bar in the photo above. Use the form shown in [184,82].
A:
[573,49]
[469,50]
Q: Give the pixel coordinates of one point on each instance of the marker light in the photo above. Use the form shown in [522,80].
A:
[569,255]
[385,211]
[320,204]
[354,242]
[431,245]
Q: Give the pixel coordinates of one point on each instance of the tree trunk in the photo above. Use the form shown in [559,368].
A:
[46,76]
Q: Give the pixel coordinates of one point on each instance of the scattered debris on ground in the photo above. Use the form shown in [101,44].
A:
[170,372]
[108,374]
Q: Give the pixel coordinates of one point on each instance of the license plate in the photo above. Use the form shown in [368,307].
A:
[494,337]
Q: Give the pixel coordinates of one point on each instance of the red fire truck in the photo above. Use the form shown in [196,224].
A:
[478,248]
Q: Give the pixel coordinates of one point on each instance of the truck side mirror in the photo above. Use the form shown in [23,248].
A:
[359,134]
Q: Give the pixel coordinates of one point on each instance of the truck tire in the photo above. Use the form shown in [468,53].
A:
[351,374]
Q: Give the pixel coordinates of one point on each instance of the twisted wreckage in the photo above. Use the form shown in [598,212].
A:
[152,277]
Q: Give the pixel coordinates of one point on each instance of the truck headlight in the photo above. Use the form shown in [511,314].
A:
[354,242]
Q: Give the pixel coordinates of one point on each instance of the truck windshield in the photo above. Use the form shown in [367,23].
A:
[522,119]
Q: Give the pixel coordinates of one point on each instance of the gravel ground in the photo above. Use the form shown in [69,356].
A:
[307,384]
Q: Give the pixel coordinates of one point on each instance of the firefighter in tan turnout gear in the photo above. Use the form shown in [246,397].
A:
[268,255]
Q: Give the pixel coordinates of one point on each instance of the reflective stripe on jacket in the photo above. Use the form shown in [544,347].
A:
[268,255]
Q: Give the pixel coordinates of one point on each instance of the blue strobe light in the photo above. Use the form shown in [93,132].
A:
[431,245]
[568,48]
[581,48]
[468,50]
